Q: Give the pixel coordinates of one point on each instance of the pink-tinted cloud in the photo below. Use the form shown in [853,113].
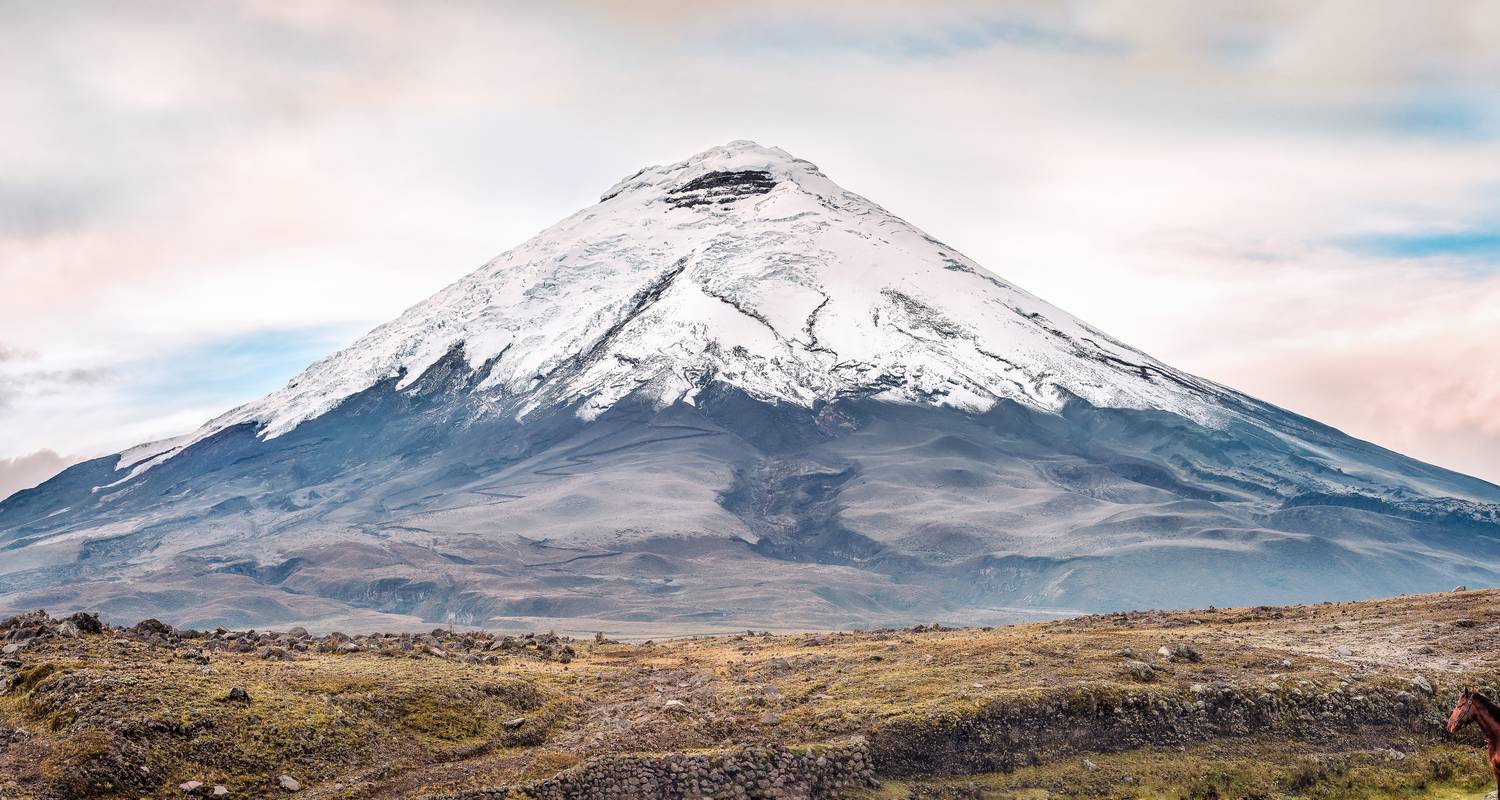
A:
[178,173]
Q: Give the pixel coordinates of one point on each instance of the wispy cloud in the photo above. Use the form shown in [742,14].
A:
[9,353]
[198,198]
[43,382]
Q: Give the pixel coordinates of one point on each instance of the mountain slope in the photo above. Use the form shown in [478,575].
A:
[733,393]
[747,266]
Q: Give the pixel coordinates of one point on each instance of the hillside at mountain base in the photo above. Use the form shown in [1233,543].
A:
[733,394]
[1331,701]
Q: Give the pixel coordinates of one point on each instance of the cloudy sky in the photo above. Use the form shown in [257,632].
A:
[1299,199]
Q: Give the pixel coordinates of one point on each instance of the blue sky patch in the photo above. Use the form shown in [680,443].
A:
[923,44]
[1441,117]
[236,369]
[1473,243]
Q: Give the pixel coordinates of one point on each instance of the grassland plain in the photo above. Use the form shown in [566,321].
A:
[1320,701]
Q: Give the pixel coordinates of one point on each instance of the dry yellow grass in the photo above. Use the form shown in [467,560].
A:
[98,709]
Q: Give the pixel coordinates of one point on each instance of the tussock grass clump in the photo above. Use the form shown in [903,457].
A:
[90,764]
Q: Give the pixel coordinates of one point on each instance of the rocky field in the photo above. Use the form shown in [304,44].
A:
[1325,701]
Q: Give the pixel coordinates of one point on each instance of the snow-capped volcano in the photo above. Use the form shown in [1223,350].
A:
[733,393]
[747,267]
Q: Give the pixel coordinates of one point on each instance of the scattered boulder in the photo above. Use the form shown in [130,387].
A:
[220,790]
[238,694]
[10,736]
[1343,651]
[289,783]
[1422,685]
[1141,671]
[1179,651]
[191,787]
[153,627]
[675,707]
[701,679]
[24,626]
[1460,588]
[512,724]
[87,623]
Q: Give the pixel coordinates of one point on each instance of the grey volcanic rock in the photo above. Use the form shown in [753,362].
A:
[730,396]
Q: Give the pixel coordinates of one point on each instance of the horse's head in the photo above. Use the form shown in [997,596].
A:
[1463,712]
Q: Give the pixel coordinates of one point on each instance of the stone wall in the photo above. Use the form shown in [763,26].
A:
[1002,736]
[1016,732]
[771,773]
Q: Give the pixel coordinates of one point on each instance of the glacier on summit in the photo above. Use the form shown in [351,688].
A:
[794,290]
[733,393]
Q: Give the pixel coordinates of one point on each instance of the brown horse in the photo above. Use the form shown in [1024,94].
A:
[1475,707]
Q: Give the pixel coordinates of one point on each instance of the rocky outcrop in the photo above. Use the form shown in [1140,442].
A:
[721,187]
